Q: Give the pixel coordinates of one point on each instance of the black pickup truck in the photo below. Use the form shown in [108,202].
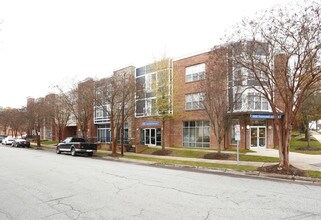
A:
[76,145]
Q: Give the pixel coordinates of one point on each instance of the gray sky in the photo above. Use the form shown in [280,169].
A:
[45,43]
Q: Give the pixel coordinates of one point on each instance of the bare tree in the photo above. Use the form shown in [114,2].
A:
[115,97]
[79,101]
[4,120]
[58,114]
[281,51]
[16,120]
[217,104]
[36,114]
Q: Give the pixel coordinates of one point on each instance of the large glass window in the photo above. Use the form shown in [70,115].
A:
[194,101]
[196,134]
[195,73]
[103,133]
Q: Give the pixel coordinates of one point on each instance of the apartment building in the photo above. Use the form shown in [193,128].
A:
[169,105]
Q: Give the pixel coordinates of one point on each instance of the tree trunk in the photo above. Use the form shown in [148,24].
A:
[219,147]
[284,131]
[113,140]
[307,133]
[38,139]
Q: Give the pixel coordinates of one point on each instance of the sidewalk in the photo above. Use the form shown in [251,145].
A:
[247,163]
[299,160]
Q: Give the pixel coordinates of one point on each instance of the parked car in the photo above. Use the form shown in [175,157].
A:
[76,145]
[8,140]
[19,142]
[2,137]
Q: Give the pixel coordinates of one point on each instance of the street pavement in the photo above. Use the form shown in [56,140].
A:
[38,184]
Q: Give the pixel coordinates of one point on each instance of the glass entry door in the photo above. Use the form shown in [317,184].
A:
[258,136]
[150,136]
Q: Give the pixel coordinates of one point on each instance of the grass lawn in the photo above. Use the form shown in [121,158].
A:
[194,164]
[49,142]
[297,141]
[200,154]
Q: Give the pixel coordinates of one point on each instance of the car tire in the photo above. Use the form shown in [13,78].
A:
[90,154]
[58,150]
[73,152]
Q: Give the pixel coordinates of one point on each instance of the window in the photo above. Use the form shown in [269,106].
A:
[103,133]
[232,131]
[256,101]
[150,81]
[150,107]
[101,115]
[194,101]
[195,73]
[196,134]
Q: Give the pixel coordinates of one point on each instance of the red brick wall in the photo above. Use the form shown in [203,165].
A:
[182,88]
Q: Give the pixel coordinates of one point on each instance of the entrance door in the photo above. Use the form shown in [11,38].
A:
[150,136]
[258,134]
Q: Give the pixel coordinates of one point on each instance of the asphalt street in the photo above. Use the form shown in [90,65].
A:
[38,184]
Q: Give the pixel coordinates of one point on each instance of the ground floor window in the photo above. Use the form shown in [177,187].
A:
[103,133]
[196,134]
[232,131]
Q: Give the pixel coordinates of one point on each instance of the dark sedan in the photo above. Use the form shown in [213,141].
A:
[19,142]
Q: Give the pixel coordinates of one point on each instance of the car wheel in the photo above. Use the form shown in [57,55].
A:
[90,154]
[58,150]
[73,152]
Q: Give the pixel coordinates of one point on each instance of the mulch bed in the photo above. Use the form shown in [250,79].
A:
[308,148]
[219,156]
[284,171]
[162,152]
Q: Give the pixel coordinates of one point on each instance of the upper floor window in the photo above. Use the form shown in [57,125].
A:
[194,73]
[194,101]
[257,102]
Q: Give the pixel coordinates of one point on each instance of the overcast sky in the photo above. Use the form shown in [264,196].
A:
[46,43]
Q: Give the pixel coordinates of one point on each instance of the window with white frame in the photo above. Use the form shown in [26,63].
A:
[150,81]
[150,106]
[196,134]
[194,101]
[256,101]
[195,73]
